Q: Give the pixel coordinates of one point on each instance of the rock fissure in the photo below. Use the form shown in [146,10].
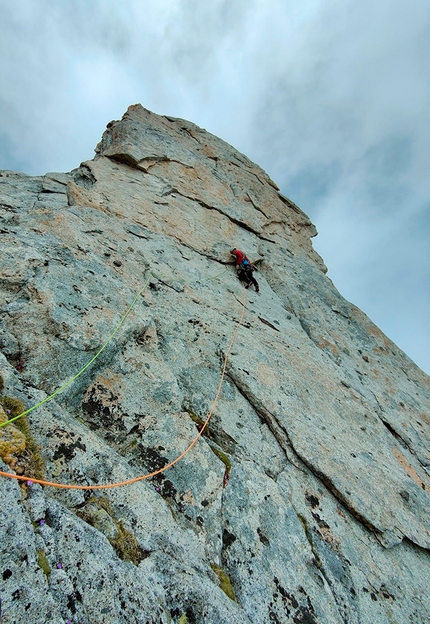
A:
[297,432]
[238,222]
[278,431]
[342,499]
[253,202]
[319,565]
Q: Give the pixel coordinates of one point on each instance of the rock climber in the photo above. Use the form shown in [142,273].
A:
[244,269]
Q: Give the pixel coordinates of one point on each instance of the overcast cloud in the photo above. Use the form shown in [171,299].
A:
[330,97]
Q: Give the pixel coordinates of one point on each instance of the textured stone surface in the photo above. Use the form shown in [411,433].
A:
[323,515]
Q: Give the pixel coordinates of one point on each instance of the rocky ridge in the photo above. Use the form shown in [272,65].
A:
[306,500]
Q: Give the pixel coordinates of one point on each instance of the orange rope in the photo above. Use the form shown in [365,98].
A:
[66,486]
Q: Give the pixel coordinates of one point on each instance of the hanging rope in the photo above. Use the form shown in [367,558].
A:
[67,384]
[67,486]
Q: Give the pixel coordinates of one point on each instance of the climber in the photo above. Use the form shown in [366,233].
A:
[244,269]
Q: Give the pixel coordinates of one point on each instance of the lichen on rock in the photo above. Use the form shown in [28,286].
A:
[320,427]
[12,441]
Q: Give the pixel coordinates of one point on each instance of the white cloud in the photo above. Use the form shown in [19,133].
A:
[331,98]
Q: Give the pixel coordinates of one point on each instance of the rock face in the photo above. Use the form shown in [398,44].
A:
[307,498]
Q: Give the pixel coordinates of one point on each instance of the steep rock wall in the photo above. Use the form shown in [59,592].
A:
[322,425]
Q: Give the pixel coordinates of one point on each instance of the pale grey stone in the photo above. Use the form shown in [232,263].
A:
[310,488]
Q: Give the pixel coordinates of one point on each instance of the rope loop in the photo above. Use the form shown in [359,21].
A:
[67,486]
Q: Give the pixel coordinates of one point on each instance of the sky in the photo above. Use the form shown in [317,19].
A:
[330,97]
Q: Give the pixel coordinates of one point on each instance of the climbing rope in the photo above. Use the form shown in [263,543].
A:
[66,486]
[51,396]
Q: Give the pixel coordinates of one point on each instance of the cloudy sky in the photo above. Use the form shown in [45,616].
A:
[330,97]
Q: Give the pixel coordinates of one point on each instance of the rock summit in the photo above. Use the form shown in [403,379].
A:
[306,498]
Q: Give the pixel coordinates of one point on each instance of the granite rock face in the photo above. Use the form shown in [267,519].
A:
[305,501]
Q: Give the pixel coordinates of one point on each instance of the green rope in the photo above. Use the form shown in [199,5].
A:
[86,365]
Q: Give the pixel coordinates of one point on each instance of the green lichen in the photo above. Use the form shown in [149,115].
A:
[223,457]
[199,422]
[12,406]
[183,619]
[12,442]
[317,561]
[43,563]
[224,581]
[124,543]
[132,443]
[103,502]
[306,529]
[22,453]
[225,460]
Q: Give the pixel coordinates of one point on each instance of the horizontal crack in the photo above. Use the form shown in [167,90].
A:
[238,222]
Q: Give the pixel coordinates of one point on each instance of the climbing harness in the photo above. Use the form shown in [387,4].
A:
[67,486]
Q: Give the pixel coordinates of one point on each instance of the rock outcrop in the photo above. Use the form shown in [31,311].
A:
[307,498]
